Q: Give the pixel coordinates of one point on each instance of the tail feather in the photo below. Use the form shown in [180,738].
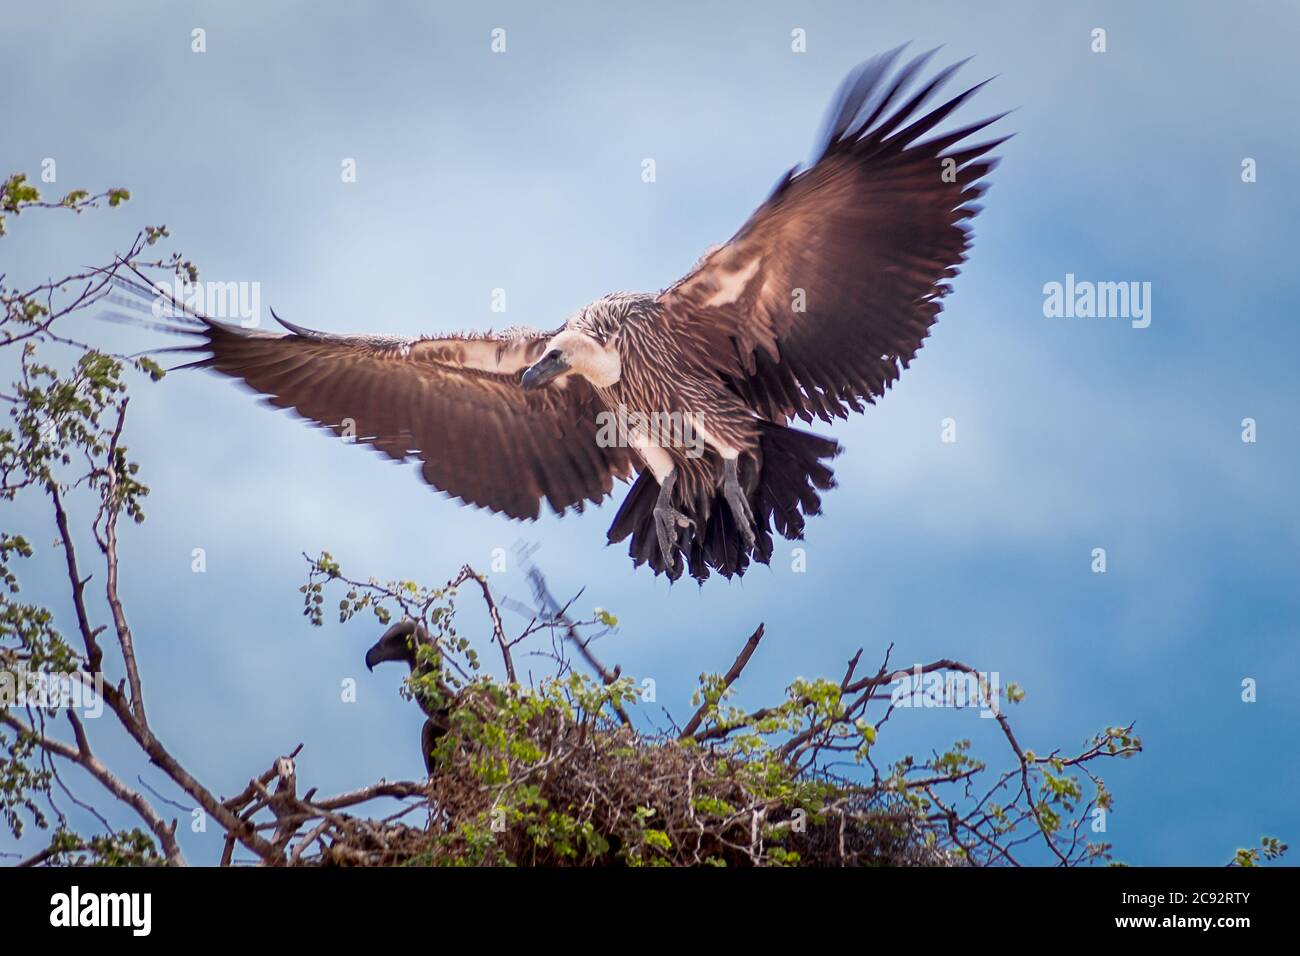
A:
[785,490]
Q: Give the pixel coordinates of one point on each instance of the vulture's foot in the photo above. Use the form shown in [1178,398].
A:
[737,501]
[668,520]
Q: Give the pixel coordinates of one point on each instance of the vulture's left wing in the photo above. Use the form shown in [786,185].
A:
[829,289]
[453,403]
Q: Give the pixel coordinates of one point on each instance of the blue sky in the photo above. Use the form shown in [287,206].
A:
[521,171]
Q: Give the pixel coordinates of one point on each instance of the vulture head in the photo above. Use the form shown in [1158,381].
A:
[397,644]
[575,350]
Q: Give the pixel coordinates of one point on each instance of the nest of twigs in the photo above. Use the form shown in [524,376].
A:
[595,793]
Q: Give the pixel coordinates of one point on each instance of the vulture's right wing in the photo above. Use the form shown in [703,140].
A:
[454,403]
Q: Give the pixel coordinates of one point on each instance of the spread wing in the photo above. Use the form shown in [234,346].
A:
[829,289]
[453,403]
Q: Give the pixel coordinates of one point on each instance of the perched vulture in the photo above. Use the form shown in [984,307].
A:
[399,643]
[812,309]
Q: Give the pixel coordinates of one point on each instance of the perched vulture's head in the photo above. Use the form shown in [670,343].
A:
[574,350]
[397,644]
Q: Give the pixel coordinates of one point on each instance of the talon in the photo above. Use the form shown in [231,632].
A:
[668,520]
[738,503]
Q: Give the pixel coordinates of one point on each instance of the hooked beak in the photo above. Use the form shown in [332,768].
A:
[549,366]
[396,645]
[379,653]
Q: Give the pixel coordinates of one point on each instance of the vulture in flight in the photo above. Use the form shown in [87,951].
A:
[811,309]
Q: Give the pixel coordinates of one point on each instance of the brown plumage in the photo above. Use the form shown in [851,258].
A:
[453,404]
[811,310]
